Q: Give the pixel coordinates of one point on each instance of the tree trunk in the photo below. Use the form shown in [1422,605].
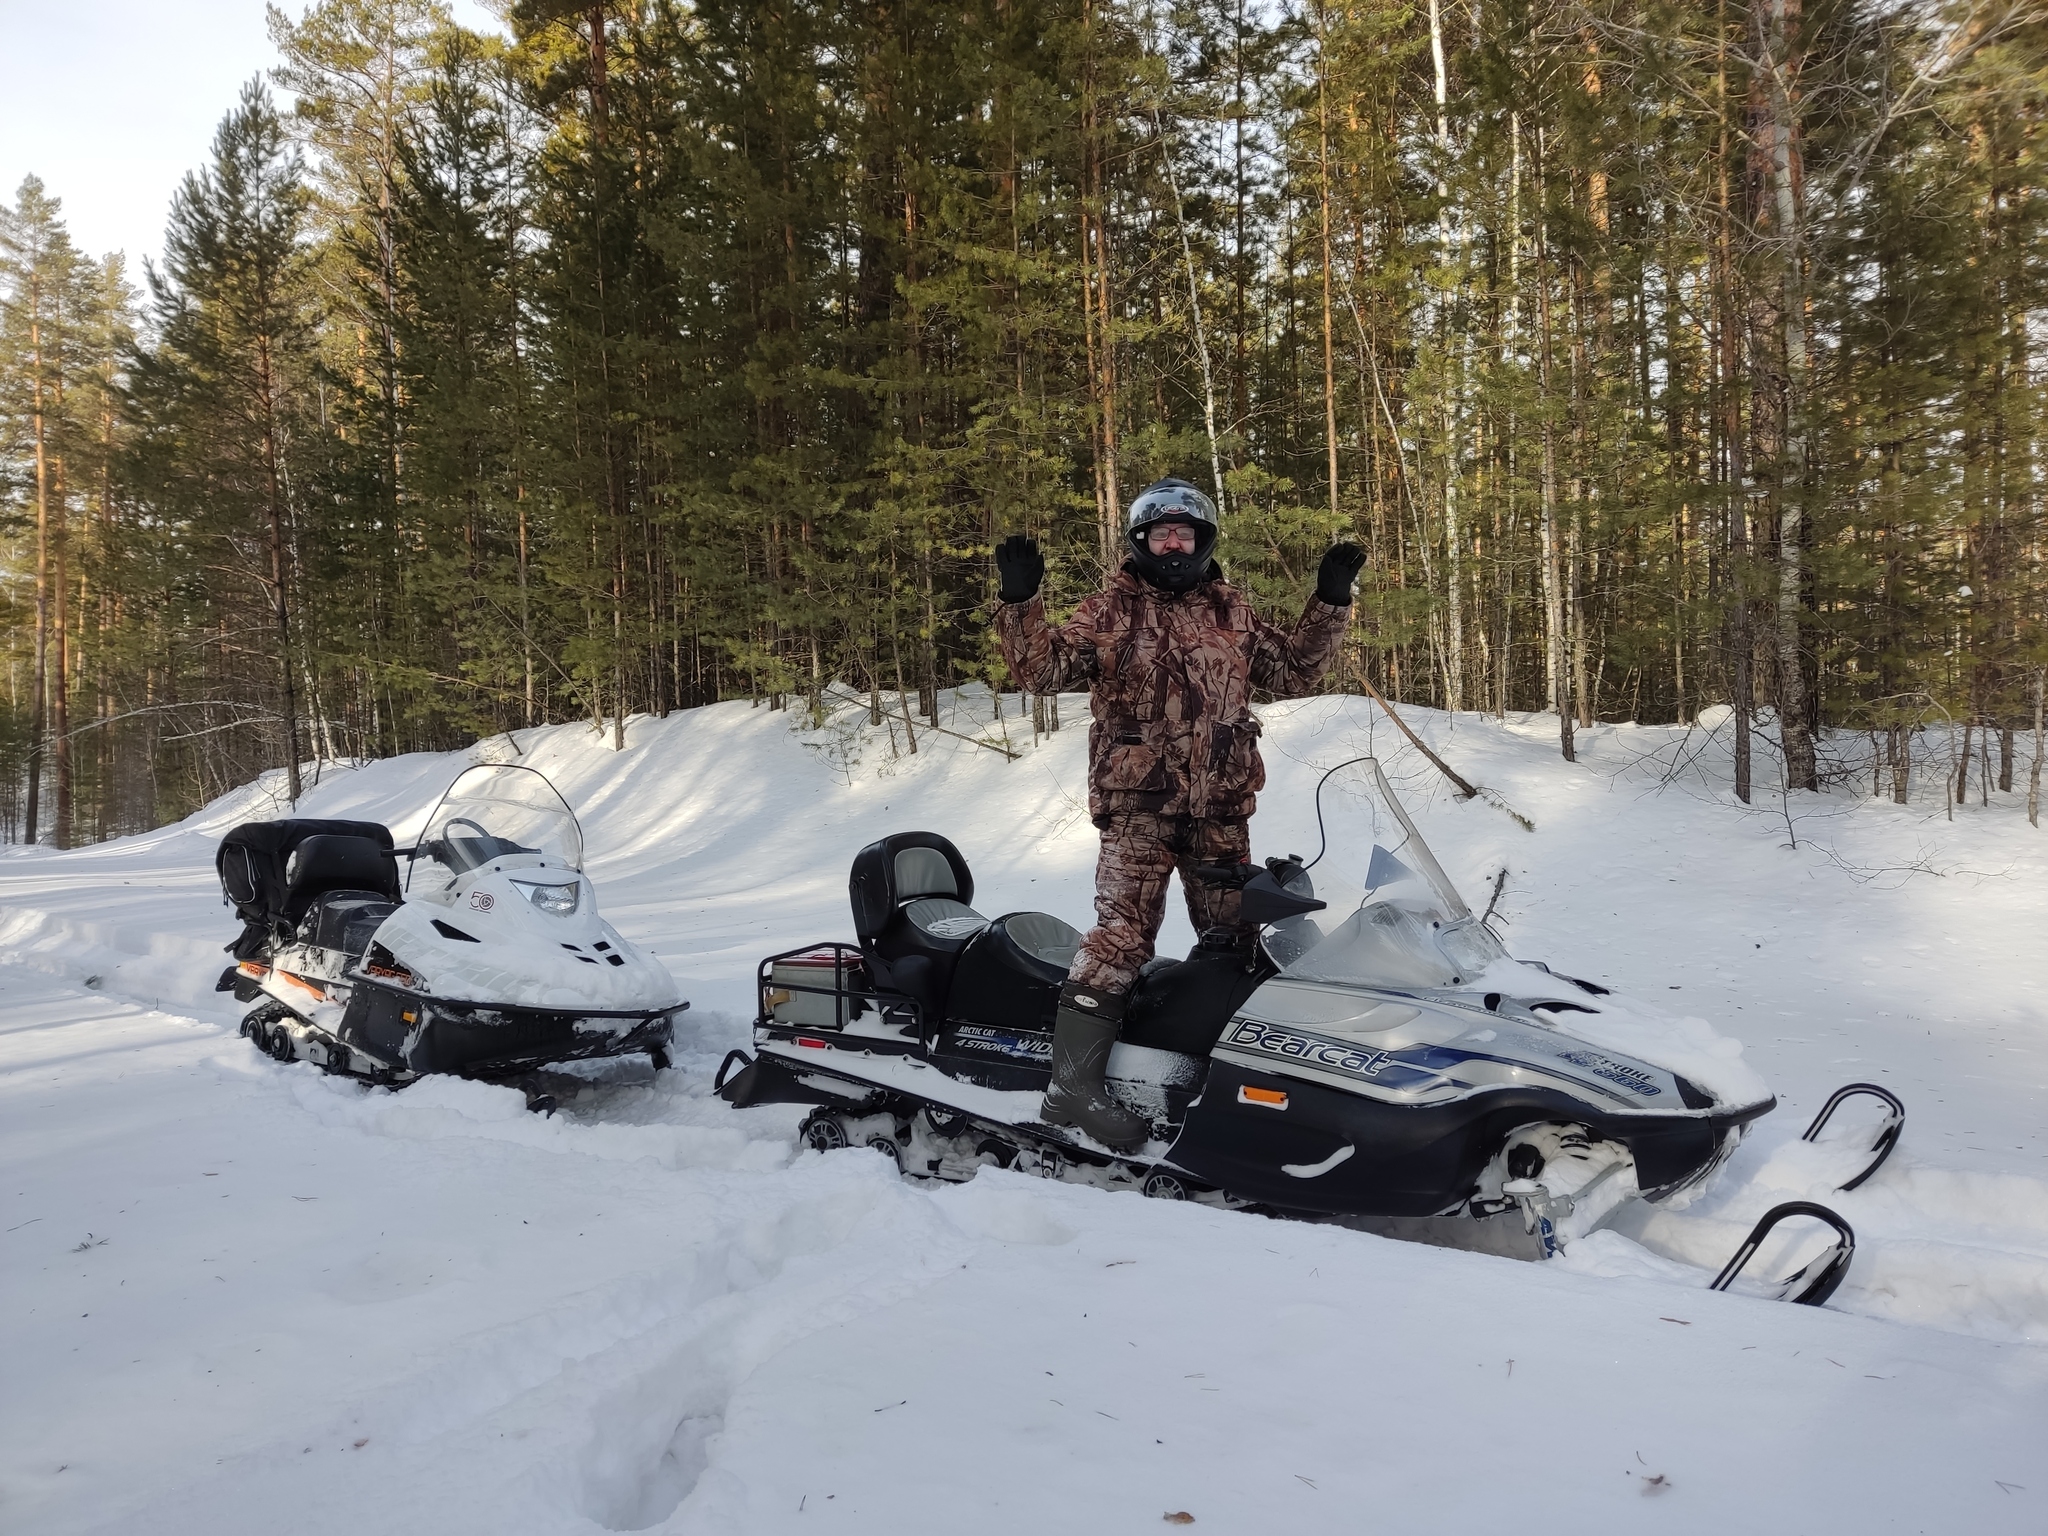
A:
[1741,649]
[38,703]
[1097,307]
[1187,253]
[1793,725]
[2034,768]
[1454,565]
[60,658]
[600,109]
[1556,680]
[279,566]
[1329,348]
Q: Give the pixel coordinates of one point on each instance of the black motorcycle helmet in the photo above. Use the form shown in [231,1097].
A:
[1172,501]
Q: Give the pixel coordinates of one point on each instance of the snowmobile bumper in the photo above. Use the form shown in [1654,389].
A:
[407,1034]
[244,979]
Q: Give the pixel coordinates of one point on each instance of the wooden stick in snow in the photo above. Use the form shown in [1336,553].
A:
[1465,790]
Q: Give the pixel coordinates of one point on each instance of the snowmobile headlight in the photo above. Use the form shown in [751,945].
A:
[555,900]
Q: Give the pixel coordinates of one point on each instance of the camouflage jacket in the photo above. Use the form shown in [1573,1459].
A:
[1170,677]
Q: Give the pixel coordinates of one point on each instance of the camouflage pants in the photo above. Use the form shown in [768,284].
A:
[1140,849]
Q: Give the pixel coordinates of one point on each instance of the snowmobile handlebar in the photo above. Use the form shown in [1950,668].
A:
[1238,876]
[1268,891]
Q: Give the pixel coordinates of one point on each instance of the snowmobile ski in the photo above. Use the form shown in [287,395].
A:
[1887,1134]
[1813,1282]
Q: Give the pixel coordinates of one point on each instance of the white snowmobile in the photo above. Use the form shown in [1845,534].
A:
[1376,1058]
[491,962]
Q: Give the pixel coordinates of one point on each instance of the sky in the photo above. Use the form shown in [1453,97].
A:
[111,102]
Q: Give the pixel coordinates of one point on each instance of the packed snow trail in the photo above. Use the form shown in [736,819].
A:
[650,1312]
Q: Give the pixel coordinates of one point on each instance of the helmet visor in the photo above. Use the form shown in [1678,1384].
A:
[1178,502]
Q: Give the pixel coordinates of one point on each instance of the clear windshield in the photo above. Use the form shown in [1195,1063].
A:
[1393,918]
[496,811]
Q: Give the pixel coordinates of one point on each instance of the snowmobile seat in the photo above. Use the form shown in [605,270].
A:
[1184,1005]
[1035,944]
[252,863]
[328,862]
[1011,972]
[911,893]
[346,920]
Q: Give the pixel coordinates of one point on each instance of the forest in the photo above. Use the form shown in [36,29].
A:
[1670,361]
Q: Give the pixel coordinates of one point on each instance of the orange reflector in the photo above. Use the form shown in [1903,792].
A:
[1272,1098]
[408,1017]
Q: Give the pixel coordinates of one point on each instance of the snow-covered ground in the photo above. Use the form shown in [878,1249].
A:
[438,1313]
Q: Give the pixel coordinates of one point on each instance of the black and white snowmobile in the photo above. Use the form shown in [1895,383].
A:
[1376,1058]
[491,961]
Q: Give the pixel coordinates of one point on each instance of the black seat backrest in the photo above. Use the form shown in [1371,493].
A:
[902,868]
[331,861]
[910,909]
[252,863]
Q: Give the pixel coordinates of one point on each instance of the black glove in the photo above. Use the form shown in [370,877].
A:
[1339,572]
[1022,568]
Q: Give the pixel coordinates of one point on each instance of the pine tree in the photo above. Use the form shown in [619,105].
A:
[41,272]
[223,397]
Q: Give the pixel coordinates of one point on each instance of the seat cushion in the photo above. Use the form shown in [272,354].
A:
[1043,937]
[943,918]
[1033,947]
[1010,974]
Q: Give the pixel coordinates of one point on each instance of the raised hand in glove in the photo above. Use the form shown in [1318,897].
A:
[1022,568]
[1339,571]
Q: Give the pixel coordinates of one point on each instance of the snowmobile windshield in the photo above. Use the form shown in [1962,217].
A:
[1393,918]
[494,812]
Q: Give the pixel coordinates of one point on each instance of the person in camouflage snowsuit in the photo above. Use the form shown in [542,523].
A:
[1170,654]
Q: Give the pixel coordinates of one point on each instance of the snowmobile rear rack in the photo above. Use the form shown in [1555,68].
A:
[847,998]
[1813,1283]
[1887,1134]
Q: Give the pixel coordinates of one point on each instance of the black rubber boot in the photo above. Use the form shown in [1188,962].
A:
[1082,1033]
